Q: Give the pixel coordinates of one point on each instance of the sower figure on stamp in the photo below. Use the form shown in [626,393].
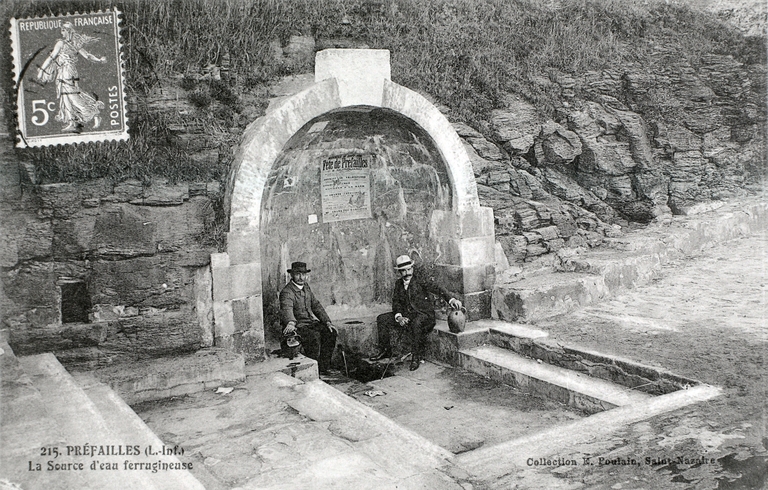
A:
[413,309]
[76,107]
[302,313]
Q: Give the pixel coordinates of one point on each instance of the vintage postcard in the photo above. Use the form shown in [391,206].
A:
[433,244]
[69,79]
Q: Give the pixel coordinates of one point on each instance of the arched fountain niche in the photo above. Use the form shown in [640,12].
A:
[345,176]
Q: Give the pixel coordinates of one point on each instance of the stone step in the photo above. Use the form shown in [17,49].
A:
[126,425]
[632,261]
[577,390]
[300,367]
[445,345]
[80,423]
[539,297]
[173,376]
[405,450]
[25,428]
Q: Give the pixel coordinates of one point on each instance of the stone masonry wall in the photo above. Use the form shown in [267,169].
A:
[139,253]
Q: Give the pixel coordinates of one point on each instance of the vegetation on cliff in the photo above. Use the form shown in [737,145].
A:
[466,54]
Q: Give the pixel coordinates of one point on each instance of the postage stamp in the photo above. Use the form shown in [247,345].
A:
[69,78]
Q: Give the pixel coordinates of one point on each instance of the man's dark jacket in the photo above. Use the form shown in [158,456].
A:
[417,297]
[297,305]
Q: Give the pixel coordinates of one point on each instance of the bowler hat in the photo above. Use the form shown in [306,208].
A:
[298,267]
[403,262]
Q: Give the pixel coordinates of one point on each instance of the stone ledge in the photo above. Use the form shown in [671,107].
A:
[301,367]
[177,376]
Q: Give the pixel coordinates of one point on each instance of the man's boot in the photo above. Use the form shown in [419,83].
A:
[415,363]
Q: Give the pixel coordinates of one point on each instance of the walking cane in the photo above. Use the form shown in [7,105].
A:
[399,342]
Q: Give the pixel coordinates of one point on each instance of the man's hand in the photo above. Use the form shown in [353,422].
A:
[402,321]
[290,329]
[455,304]
[332,328]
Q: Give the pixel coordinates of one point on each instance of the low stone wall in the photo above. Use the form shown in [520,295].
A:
[99,273]
[580,277]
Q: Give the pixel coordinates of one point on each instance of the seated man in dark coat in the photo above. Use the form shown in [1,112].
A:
[413,309]
[297,306]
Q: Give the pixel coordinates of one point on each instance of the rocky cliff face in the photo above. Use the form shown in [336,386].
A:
[627,146]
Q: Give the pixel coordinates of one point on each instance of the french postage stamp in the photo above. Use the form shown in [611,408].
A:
[69,79]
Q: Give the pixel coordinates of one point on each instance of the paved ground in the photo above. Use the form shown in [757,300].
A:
[705,319]
[272,432]
[456,409]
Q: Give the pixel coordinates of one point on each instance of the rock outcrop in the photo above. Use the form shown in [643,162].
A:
[614,156]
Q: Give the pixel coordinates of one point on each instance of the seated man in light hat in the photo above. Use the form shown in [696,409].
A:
[413,309]
[297,306]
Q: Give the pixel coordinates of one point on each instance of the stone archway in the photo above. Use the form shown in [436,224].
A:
[344,78]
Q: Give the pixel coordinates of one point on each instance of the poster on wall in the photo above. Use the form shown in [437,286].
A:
[345,183]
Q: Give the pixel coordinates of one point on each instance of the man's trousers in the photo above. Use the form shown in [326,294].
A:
[418,329]
[318,342]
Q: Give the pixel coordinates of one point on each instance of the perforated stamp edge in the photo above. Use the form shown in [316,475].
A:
[22,70]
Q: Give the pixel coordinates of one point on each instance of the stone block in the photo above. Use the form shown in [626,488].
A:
[247,314]
[555,245]
[10,182]
[225,342]
[478,305]
[443,224]
[250,344]
[535,249]
[444,345]
[219,260]
[224,322]
[449,250]
[203,290]
[245,280]
[221,283]
[61,199]
[358,335]
[241,317]
[479,278]
[451,277]
[516,125]
[514,246]
[124,230]
[165,377]
[476,222]
[161,194]
[72,237]
[29,286]
[243,248]
[477,251]
[360,73]
[156,281]
[548,232]
[463,280]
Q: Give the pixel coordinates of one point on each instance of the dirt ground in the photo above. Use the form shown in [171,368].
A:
[705,319]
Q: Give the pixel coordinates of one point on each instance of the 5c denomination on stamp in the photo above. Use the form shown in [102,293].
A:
[69,79]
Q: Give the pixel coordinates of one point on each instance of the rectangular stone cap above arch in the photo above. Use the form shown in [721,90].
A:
[360,73]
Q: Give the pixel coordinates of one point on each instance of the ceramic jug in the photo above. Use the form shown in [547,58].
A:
[457,319]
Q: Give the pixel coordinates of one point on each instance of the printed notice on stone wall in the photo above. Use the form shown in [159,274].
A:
[346,187]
